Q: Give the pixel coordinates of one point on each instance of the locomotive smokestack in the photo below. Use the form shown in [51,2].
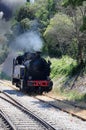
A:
[38,53]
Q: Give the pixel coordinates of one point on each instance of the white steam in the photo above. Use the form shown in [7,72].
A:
[5,27]
[29,41]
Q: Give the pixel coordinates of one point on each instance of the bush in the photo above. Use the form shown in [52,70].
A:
[63,66]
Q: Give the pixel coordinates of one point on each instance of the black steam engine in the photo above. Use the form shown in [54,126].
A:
[31,72]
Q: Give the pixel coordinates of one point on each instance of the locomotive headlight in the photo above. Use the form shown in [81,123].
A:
[30,77]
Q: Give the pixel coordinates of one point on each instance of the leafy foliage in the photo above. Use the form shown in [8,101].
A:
[58,34]
[74,3]
[45,9]
[63,30]
[27,11]
[80,26]
[42,10]
[63,66]
[25,24]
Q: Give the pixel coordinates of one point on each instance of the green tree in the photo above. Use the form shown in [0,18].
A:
[45,9]
[42,10]
[25,24]
[73,3]
[78,14]
[58,34]
[27,11]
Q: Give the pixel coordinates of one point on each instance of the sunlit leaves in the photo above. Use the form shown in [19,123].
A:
[62,26]
[58,33]
[25,24]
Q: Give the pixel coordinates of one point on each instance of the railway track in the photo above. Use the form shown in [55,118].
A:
[65,106]
[28,120]
[6,123]
[57,118]
[60,104]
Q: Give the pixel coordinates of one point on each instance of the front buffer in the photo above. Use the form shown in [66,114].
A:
[40,86]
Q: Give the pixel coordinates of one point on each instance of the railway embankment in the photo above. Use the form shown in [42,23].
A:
[69,80]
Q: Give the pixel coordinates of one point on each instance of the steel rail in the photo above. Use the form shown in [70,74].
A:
[7,121]
[62,109]
[25,110]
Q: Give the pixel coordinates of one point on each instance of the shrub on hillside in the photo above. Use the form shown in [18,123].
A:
[63,66]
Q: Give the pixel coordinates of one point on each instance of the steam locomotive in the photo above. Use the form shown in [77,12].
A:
[31,73]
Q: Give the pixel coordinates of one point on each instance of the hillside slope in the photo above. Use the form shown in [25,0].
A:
[69,80]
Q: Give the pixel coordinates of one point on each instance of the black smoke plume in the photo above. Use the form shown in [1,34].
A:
[8,7]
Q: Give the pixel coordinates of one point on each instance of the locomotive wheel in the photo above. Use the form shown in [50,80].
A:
[13,81]
[21,85]
[17,85]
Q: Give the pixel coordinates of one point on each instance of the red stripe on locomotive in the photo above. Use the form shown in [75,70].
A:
[42,83]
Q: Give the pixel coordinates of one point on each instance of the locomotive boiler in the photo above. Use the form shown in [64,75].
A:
[31,73]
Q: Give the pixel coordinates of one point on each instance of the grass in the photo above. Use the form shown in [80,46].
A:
[71,95]
[63,72]
[74,95]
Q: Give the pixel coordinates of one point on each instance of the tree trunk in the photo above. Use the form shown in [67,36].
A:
[80,53]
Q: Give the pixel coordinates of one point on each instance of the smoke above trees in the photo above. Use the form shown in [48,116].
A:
[29,40]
